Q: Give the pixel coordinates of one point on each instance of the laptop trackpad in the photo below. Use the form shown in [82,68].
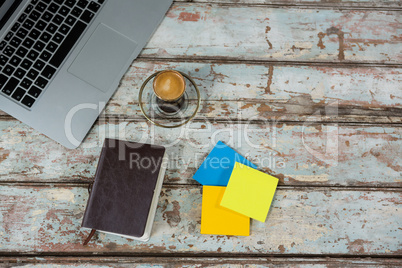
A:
[102,58]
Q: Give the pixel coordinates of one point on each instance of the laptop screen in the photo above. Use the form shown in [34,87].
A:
[7,7]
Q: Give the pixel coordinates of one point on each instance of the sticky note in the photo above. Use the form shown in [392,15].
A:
[218,165]
[249,192]
[217,220]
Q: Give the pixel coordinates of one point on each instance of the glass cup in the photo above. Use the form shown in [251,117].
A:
[169,87]
[171,100]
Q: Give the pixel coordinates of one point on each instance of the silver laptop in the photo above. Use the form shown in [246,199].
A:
[61,60]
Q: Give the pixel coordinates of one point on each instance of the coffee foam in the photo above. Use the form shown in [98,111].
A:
[169,85]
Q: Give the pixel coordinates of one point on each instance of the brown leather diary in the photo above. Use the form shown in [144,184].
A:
[126,189]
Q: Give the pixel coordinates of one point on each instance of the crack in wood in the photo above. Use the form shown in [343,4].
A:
[267,29]
[235,60]
[269,83]
[341,37]
[337,5]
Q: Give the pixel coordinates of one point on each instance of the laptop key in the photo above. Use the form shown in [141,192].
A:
[32,74]
[9,51]
[22,52]
[34,91]
[70,20]
[58,19]
[53,8]
[67,44]
[41,7]
[69,3]
[64,11]
[15,27]
[47,16]
[22,33]
[22,17]
[15,61]
[52,47]
[32,55]
[64,29]
[34,34]
[28,24]
[28,101]
[26,83]
[93,6]
[19,73]
[3,60]
[10,86]
[40,25]
[58,38]
[7,91]
[8,70]
[59,1]
[41,82]
[29,8]
[8,36]
[3,45]
[45,55]
[39,45]
[18,94]
[82,3]
[35,15]
[48,72]
[26,64]
[76,11]
[15,42]
[3,80]
[28,42]
[87,16]
[45,37]
[51,28]
[39,65]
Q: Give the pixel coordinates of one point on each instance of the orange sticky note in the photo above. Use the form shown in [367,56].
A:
[249,192]
[217,220]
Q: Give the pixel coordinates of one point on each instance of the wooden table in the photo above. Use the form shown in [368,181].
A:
[309,90]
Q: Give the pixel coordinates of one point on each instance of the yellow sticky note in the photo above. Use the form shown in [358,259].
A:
[249,192]
[217,220]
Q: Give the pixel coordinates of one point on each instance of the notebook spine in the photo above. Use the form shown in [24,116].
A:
[92,185]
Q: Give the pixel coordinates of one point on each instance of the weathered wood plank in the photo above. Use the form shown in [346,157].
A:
[314,3]
[243,91]
[316,154]
[290,93]
[277,34]
[252,110]
[268,83]
[240,262]
[47,219]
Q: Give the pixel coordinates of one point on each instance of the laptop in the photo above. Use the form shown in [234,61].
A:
[62,60]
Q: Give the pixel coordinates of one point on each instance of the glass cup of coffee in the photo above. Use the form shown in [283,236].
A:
[169,87]
[171,100]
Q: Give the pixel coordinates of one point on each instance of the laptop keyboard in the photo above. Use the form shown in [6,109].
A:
[38,43]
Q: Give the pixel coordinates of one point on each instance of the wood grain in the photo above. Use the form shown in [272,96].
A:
[47,219]
[309,154]
[244,91]
[174,261]
[277,34]
[310,3]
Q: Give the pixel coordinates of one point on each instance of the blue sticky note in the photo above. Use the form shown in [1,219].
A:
[218,165]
